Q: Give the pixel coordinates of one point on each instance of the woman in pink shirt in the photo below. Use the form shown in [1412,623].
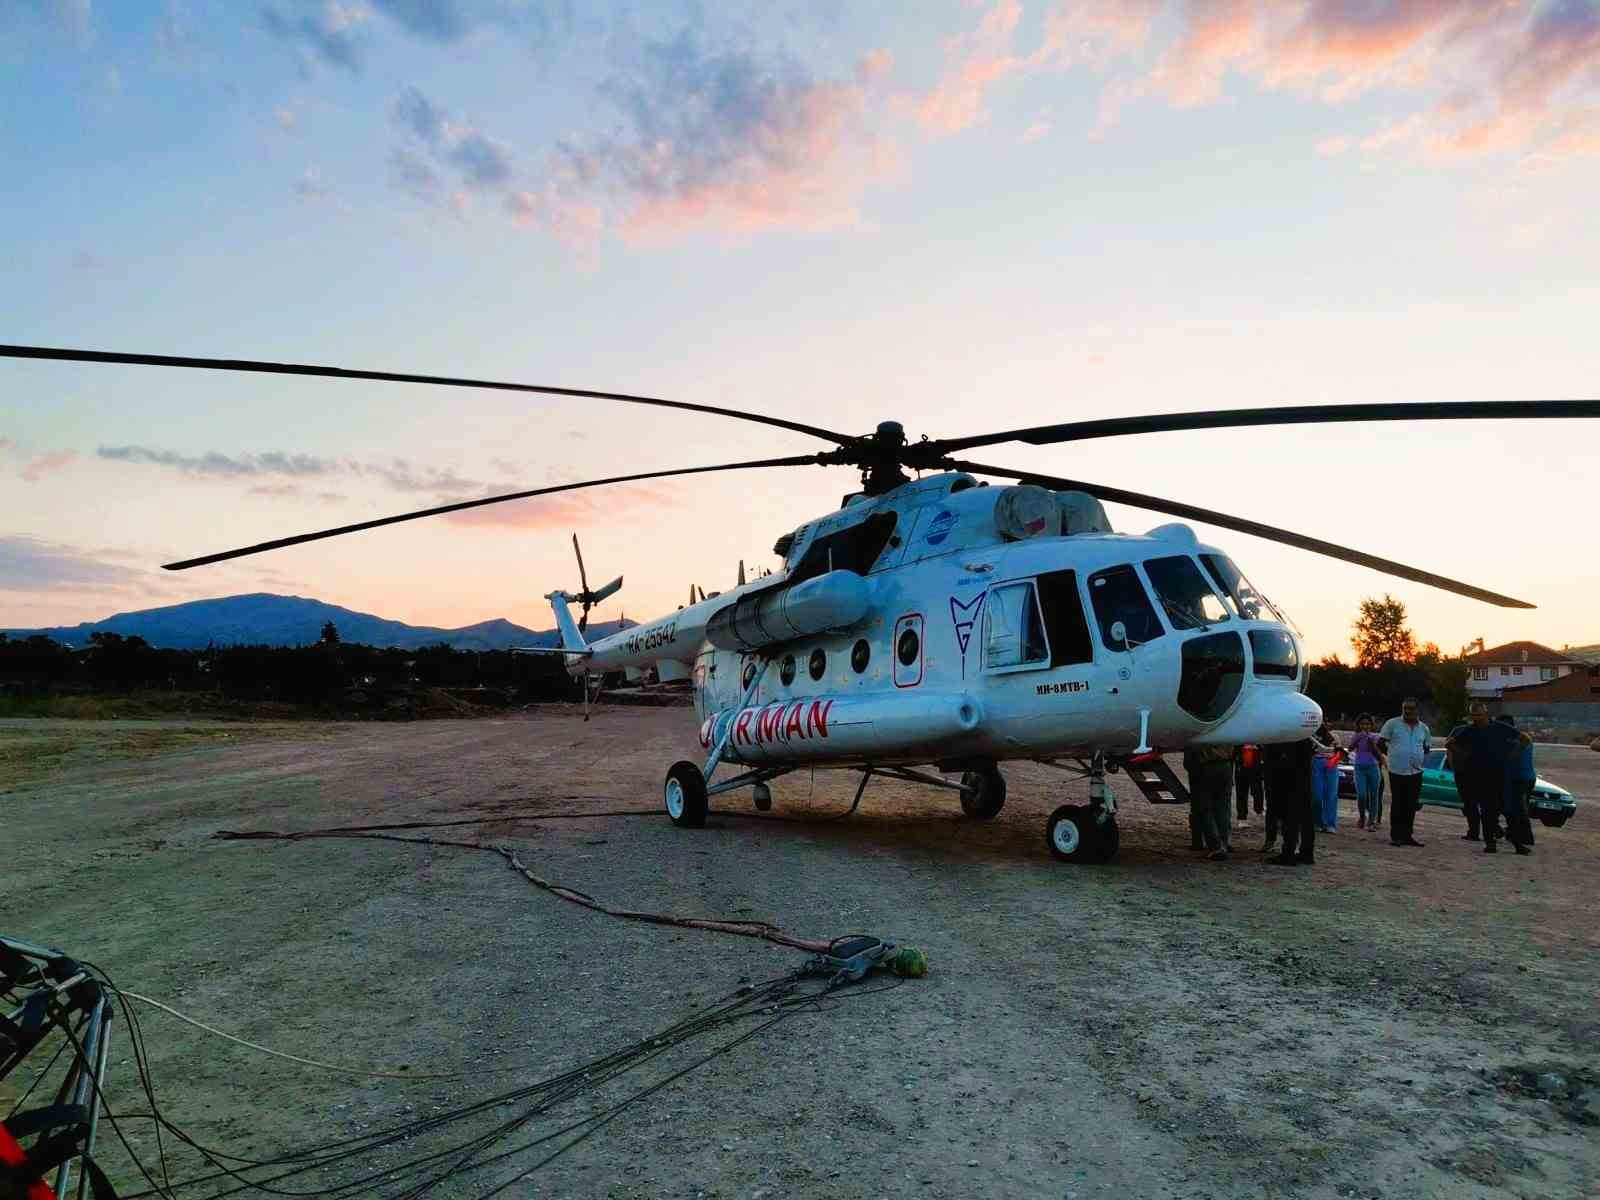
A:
[1368,760]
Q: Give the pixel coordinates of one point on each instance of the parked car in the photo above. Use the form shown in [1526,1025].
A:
[1551,805]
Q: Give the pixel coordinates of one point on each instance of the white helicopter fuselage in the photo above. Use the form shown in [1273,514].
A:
[949,623]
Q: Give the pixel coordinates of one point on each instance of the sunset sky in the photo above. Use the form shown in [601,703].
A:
[963,216]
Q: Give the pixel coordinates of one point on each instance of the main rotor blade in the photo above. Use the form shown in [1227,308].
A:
[1446,410]
[798,460]
[1255,528]
[277,368]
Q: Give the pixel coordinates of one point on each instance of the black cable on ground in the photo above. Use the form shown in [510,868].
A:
[772,999]
[756,929]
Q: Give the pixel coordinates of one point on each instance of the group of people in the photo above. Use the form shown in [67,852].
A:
[1295,785]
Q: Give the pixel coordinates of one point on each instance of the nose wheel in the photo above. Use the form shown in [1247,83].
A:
[1078,833]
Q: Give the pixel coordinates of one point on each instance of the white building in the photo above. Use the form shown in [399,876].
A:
[1501,669]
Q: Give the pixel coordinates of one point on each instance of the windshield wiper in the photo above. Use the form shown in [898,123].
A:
[1178,613]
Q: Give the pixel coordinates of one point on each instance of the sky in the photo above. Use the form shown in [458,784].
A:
[962,216]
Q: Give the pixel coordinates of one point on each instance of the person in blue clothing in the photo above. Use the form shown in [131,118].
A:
[1519,790]
[1325,751]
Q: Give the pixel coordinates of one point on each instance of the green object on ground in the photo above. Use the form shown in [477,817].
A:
[910,963]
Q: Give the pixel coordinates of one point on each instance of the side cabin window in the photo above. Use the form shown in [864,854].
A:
[853,549]
[1189,601]
[1013,628]
[1117,595]
[1064,620]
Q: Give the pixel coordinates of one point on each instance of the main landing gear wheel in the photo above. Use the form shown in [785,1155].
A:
[685,795]
[985,793]
[1075,835]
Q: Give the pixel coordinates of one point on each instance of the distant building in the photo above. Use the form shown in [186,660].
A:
[1568,707]
[1499,670]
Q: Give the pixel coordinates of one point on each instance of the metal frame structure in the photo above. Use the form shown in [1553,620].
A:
[54,992]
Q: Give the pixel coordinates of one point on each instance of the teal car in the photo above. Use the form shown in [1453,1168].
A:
[1550,804]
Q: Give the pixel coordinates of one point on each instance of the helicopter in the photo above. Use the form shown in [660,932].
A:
[935,627]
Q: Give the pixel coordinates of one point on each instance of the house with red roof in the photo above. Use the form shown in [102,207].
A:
[1499,670]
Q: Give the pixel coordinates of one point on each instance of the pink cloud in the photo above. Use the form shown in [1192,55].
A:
[979,59]
[714,138]
[38,468]
[1218,35]
[1474,77]
[801,167]
[569,509]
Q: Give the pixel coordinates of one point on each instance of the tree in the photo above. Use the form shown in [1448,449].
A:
[330,634]
[1381,637]
[1447,681]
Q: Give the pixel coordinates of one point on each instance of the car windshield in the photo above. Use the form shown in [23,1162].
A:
[1434,760]
[1252,605]
[1185,596]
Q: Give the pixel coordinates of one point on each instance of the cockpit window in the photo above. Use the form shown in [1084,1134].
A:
[1185,596]
[1274,652]
[1118,596]
[1252,605]
[853,549]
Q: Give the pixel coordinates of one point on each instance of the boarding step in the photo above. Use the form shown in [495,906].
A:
[1151,775]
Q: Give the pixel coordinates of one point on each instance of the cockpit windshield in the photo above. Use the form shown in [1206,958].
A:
[1252,605]
[1185,596]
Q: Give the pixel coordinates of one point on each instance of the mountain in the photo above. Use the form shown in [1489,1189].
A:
[262,618]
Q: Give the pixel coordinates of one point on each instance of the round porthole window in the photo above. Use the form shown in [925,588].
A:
[786,671]
[819,663]
[749,674]
[907,647]
[860,655]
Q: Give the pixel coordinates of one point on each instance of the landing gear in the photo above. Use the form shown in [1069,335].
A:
[1078,833]
[1086,833]
[983,793]
[685,795]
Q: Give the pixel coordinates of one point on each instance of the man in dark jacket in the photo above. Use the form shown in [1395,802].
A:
[1287,767]
[1481,754]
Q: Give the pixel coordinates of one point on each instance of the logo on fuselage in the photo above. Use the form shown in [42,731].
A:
[964,615]
[939,528]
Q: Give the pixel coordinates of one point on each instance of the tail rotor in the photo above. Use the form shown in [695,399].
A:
[588,599]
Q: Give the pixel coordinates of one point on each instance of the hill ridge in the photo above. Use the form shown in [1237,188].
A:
[269,618]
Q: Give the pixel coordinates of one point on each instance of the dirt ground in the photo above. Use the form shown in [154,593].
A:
[1159,1027]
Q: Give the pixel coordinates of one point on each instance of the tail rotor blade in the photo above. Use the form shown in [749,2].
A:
[608,590]
[582,574]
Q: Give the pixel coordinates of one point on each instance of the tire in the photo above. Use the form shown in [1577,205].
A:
[1554,820]
[1067,833]
[984,804]
[1075,835]
[684,795]
[1110,839]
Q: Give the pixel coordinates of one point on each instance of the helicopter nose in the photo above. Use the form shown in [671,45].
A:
[1268,713]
